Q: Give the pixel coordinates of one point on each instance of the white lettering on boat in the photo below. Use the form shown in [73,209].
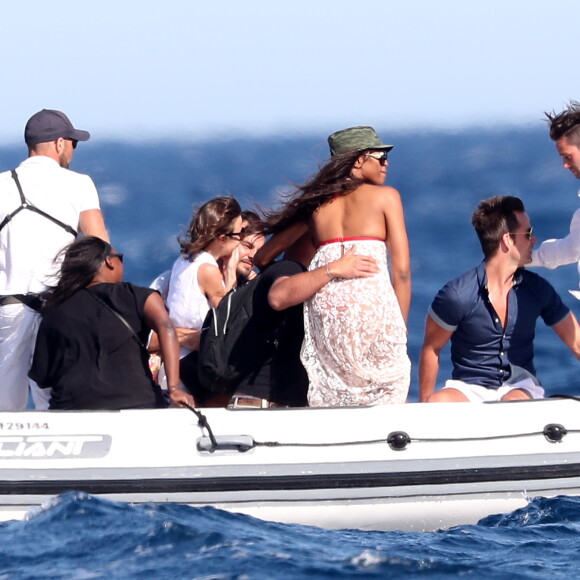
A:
[54,446]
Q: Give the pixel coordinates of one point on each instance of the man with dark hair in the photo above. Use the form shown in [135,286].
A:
[42,206]
[489,313]
[252,240]
[565,131]
[278,378]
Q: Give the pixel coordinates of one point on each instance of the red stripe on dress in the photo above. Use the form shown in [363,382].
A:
[351,239]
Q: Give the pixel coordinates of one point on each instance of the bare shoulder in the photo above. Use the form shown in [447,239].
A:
[208,274]
[382,193]
[387,191]
[208,269]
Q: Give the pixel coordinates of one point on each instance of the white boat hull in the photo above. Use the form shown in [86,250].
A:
[331,468]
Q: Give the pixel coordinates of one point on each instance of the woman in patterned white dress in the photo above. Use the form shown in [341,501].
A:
[355,345]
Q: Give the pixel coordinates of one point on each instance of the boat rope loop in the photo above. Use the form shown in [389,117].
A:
[204,424]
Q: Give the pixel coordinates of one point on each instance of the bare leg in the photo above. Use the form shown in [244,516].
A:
[448,396]
[516,395]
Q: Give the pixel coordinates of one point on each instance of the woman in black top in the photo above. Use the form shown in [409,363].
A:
[89,350]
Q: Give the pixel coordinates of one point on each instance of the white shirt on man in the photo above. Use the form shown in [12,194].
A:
[559,252]
[30,242]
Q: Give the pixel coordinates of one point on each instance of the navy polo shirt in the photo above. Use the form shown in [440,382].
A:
[481,349]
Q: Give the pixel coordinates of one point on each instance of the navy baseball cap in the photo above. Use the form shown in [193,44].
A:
[48,125]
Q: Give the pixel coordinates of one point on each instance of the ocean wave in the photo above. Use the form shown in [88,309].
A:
[77,535]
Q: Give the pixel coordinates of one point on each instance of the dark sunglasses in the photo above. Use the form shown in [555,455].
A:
[235,235]
[120,256]
[74,142]
[380,157]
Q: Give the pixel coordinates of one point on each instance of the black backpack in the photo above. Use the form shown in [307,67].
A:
[231,345]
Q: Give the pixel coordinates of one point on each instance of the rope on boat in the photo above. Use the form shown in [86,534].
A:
[397,440]
[204,424]
[489,437]
[332,444]
[400,439]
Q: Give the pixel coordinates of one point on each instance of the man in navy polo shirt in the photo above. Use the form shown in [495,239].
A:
[489,314]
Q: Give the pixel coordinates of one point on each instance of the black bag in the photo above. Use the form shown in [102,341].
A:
[230,344]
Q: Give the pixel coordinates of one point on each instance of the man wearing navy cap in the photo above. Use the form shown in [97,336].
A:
[43,205]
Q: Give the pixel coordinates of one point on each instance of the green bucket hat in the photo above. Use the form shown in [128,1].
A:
[355,139]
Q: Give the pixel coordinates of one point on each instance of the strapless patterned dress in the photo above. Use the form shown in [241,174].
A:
[355,338]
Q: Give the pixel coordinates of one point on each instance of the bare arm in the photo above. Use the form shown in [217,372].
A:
[278,243]
[186,337]
[157,318]
[569,332]
[211,283]
[291,290]
[398,246]
[435,339]
[91,223]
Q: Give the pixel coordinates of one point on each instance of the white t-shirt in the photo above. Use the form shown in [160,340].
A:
[30,242]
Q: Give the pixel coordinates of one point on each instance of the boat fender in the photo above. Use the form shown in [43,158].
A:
[554,432]
[228,443]
[398,440]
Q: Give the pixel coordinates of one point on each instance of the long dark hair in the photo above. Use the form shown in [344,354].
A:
[214,218]
[333,180]
[81,261]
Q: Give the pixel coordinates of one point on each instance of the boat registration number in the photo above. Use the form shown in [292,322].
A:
[21,426]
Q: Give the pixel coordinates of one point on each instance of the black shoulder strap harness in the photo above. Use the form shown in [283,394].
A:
[25,205]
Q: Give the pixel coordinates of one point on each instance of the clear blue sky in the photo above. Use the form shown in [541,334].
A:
[192,69]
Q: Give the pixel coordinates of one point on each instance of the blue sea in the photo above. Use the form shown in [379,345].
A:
[148,191]
[82,537]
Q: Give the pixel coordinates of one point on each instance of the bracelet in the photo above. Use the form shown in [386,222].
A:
[328,272]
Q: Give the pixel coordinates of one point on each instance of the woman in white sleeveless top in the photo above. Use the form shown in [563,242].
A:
[206,269]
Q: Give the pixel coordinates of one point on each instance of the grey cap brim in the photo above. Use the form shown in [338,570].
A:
[80,135]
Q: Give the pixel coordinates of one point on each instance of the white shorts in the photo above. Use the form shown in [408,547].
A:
[478,394]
